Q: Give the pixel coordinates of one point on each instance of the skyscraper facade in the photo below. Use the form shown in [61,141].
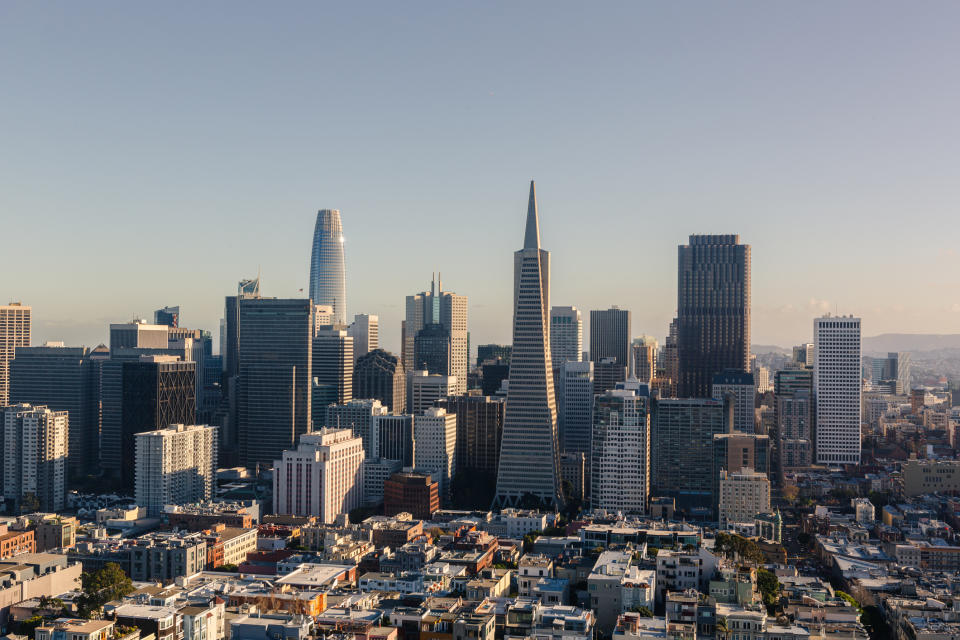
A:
[566,335]
[620,456]
[741,386]
[328,273]
[448,310]
[157,391]
[62,379]
[356,415]
[435,432]
[275,376]
[332,370]
[713,311]
[682,431]
[34,454]
[529,454]
[837,386]
[424,389]
[575,407]
[644,359]
[610,335]
[393,438]
[169,316]
[379,374]
[479,430]
[15,324]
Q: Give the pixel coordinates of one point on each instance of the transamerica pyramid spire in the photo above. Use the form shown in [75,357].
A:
[531,240]
[529,472]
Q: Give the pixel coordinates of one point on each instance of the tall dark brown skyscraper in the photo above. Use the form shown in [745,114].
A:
[713,310]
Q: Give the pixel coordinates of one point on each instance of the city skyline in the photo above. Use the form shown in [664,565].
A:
[782,154]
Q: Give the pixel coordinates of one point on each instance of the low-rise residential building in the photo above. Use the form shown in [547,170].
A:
[617,585]
[166,556]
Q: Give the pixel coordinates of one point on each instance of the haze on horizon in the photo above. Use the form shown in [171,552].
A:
[156,154]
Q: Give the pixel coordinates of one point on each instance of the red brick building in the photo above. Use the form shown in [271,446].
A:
[414,493]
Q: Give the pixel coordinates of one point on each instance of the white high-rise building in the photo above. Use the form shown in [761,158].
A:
[322,477]
[34,442]
[365,331]
[620,459]
[15,323]
[566,335]
[435,433]
[176,465]
[743,495]
[837,386]
[741,386]
[575,407]
[423,389]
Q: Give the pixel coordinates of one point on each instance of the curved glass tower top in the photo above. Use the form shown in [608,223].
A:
[328,280]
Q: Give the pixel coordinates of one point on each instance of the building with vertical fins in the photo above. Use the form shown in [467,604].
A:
[15,324]
[436,325]
[328,273]
[529,458]
[713,311]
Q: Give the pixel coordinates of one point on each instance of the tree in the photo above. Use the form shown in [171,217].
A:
[790,492]
[769,587]
[644,612]
[28,626]
[100,587]
[722,628]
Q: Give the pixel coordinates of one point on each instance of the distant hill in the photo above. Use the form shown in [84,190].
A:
[760,349]
[910,342]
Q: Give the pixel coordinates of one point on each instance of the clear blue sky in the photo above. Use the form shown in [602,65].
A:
[156,153]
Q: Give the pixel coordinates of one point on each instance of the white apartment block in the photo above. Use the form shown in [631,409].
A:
[620,457]
[357,415]
[34,442]
[423,389]
[176,465]
[435,433]
[837,386]
[743,494]
[322,477]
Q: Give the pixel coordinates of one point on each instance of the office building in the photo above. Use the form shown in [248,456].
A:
[575,406]
[610,335]
[644,359]
[411,492]
[328,273]
[62,379]
[376,472]
[493,374]
[448,310]
[682,432]
[138,335]
[620,453]
[891,373]
[15,324]
[529,454]
[379,374]
[479,430]
[794,430]
[322,477]
[393,438]
[175,465]
[573,470]
[837,389]
[332,370]
[566,335]
[743,495]
[169,316]
[431,349]
[365,331]
[803,355]
[230,375]
[356,415]
[761,377]
[713,311]
[435,432]
[740,385]
[607,374]
[487,352]
[737,451]
[158,391]
[34,442]
[424,389]
[668,378]
[790,381]
[275,377]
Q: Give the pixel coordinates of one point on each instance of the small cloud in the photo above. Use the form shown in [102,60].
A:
[819,305]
